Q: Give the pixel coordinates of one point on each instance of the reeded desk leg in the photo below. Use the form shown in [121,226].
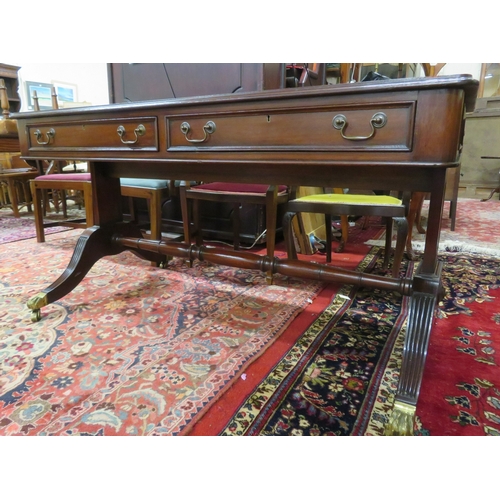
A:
[427,291]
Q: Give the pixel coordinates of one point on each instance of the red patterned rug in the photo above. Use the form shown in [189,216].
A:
[23,228]
[133,350]
[339,377]
[475,228]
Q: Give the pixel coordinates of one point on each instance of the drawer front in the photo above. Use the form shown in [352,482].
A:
[127,134]
[386,127]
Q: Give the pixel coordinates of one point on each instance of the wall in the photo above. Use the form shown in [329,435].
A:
[473,69]
[90,79]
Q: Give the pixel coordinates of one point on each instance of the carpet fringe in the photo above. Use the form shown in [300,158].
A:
[447,246]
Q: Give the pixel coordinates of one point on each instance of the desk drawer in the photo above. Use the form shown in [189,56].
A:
[387,127]
[140,134]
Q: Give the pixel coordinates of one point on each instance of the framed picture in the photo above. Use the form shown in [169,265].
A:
[43,91]
[66,92]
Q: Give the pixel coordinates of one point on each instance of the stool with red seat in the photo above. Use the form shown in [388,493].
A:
[237,194]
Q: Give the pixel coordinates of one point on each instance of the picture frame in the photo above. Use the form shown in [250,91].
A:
[43,91]
[66,92]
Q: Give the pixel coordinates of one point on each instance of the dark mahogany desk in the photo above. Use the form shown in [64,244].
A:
[390,135]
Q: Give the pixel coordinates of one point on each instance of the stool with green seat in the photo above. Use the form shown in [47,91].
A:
[389,207]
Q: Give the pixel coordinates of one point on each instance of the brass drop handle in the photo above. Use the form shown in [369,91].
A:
[139,131]
[378,120]
[208,129]
[50,135]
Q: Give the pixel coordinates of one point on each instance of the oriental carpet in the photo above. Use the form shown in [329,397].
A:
[341,374]
[112,361]
[23,228]
[133,350]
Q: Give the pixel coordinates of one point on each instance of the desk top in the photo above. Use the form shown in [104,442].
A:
[301,136]
[465,82]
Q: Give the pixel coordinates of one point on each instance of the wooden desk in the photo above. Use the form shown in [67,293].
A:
[397,135]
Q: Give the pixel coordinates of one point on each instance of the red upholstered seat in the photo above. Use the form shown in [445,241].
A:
[236,188]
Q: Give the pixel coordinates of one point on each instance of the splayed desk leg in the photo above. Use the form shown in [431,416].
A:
[94,243]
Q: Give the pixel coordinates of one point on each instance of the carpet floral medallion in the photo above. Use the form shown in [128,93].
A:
[134,350]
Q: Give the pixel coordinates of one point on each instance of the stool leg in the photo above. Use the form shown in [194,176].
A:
[402,235]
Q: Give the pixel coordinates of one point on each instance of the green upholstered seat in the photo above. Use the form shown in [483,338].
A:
[146,183]
[350,199]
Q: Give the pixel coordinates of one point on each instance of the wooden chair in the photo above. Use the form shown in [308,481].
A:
[391,208]
[15,174]
[237,194]
[61,182]
[152,190]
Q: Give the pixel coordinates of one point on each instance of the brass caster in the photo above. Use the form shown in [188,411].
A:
[36,315]
[164,263]
[402,420]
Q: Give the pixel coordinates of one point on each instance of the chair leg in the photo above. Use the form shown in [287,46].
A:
[155,222]
[344,225]
[154,215]
[388,242]
[453,213]
[37,195]
[89,209]
[271,215]
[288,235]
[328,230]
[402,235]
[186,218]
[64,204]
[236,225]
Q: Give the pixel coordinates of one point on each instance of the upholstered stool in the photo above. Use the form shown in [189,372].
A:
[153,190]
[330,204]
[237,194]
[150,189]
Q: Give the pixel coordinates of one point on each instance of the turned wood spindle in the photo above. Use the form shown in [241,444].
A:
[36,105]
[55,104]
[4,99]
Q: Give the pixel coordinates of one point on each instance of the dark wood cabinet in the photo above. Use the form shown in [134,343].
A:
[8,73]
[131,82]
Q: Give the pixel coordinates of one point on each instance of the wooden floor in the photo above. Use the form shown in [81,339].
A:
[476,193]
